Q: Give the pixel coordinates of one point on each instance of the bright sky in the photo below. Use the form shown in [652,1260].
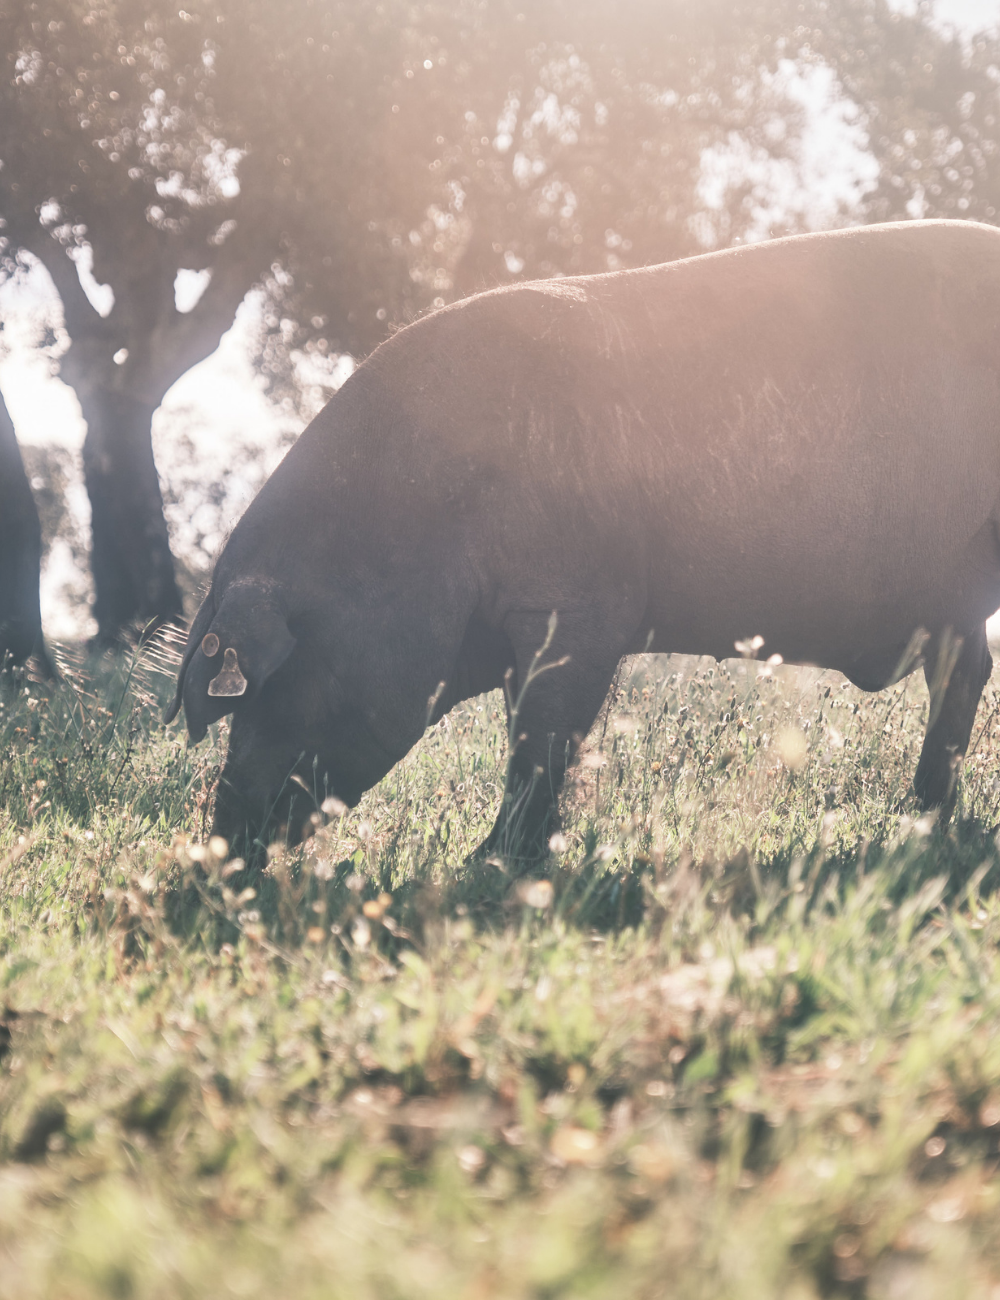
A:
[966,15]
[216,421]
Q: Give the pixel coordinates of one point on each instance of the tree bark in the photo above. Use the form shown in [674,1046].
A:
[20,554]
[134,584]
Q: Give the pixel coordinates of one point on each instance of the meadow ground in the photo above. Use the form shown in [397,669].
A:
[739,1038]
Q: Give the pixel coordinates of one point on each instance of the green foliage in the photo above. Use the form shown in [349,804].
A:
[402,153]
[737,1039]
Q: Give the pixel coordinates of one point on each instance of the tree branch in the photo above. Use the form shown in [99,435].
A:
[181,339]
[80,316]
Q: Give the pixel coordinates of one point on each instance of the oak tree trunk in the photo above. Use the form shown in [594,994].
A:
[20,554]
[134,583]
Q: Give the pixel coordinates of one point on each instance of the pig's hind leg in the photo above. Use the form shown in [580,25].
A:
[954,699]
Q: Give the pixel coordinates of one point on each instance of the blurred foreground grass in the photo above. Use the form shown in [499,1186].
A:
[738,1039]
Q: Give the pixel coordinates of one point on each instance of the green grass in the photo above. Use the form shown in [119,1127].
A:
[739,1038]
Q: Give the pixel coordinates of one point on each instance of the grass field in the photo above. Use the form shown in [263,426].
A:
[739,1038]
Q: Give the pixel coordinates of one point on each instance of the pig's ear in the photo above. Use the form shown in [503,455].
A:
[231,655]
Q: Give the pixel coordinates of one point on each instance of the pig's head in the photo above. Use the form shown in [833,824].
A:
[297,736]
[233,649]
[239,641]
